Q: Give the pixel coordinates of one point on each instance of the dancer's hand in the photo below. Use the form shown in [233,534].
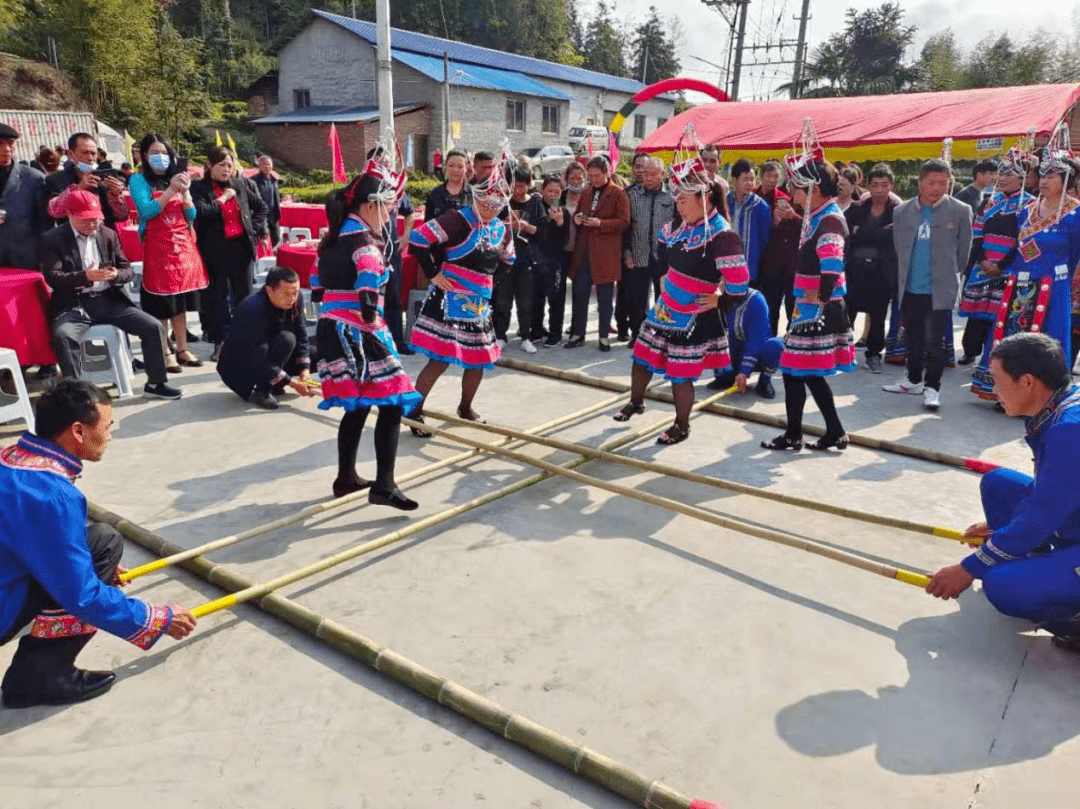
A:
[812,296]
[979,531]
[949,582]
[301,387]
[183,622]
[740,382]
[442,282]
[710,300]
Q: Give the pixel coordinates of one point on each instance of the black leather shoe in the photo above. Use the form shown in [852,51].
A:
[215,355]
[350,485]
[264,400]
[405,351]
[42,672]
[574,342]
[380,496]
[76,686]
[765,388]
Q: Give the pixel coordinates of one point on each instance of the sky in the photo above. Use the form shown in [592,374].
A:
[768,21]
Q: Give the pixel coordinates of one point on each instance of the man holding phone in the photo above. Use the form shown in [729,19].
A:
[83,173]
[86,268]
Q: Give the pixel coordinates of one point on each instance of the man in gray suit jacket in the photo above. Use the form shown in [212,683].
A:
[932,235]
[22,206]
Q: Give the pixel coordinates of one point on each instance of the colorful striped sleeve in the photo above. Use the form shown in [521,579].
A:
[731,263]
[369,269]
[830,253]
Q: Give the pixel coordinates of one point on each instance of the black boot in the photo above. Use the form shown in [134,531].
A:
[43,673]
[382,496]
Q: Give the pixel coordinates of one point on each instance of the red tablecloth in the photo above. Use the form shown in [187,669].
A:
[300,256]
[303,215]
[129,240]
[24,324]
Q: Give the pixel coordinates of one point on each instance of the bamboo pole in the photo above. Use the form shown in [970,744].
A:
[900,574]
[259,590]
[718,483]
[336,503]
[520,730]
[971,464]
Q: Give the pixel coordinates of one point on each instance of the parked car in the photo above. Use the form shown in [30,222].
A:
[546,160]
[579,137]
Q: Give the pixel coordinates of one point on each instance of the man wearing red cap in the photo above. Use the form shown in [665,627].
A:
[86,268]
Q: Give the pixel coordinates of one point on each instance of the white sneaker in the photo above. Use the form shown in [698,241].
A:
[931,400]
[528,347]
[501,344]
[903,386]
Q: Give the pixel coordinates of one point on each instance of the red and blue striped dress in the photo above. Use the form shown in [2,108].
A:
[819,341]
[679,338]
[357,361]
[455,327]
[995,239]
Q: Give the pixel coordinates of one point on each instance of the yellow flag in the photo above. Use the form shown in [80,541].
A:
[232,145]
[217,138]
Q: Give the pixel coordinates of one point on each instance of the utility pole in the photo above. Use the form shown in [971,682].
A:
[385,66]
[446,104]
[800,51]
[740,24]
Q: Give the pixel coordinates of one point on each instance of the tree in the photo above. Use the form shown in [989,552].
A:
[653,51]
[604,44]
[941,63]
[866,58]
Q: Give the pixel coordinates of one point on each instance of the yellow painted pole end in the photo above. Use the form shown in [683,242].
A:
[911,577]
[142,570]
[214,606]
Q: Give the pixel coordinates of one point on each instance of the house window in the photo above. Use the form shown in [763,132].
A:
[515,115]
[660,122]
[301,99]
[551,120]
[639,126]
[272,95]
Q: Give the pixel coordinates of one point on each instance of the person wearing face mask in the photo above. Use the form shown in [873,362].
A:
[173,272]
[83,173]
[231,218]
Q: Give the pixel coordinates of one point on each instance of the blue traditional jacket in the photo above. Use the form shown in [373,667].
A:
[43,538]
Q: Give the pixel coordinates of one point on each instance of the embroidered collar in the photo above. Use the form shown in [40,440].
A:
[1036,224]
[354,224]
[829,207]
[694,235]
[1050,409]
[36,453]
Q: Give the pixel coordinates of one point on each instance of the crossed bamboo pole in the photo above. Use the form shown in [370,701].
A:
[336,503]
[718,483]
[263,588]
[971,464]
[517,728]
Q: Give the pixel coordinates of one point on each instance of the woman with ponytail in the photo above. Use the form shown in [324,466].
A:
[357,361]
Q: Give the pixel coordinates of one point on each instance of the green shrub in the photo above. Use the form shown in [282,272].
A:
[310,188]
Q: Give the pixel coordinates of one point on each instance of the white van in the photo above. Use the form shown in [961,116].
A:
[580,136]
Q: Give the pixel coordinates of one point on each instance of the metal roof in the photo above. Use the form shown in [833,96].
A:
[486,78]
[336,115]
[473,54]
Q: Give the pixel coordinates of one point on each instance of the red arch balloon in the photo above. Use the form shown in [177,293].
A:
[659,88]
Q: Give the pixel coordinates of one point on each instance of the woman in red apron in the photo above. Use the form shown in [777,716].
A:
[173,273]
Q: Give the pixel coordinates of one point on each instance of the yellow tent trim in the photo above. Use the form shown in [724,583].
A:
[922,150]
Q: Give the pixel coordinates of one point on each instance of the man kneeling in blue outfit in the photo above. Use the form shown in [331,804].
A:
[1030,550]
[750,341]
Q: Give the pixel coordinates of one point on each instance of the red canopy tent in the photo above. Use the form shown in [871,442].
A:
[982,123]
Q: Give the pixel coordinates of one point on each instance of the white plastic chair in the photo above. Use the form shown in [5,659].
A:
[285,234]
[416,302]
[111,366]
[134,287]
[17,406]
[262,269]
[301,234]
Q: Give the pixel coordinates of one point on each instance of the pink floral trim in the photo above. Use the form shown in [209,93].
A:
[158,619]
[59,625]
[16,457]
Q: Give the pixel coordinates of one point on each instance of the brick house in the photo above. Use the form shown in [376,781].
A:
[327,73]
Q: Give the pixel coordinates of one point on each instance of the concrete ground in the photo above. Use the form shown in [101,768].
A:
[732,669]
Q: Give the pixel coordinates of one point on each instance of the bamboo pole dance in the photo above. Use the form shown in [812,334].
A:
[516,728]
[917,579]
[336,503]
[259,590]
[976,465]
[707,480]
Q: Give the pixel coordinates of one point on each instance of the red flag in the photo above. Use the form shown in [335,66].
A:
[339,159]
[613,150]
